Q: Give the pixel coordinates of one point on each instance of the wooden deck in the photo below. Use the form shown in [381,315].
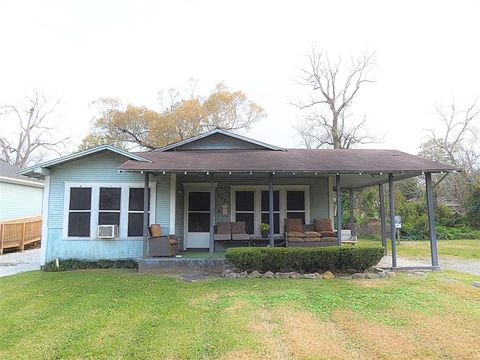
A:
[18,233]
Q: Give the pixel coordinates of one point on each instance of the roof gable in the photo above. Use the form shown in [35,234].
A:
[36,170]
[218,139]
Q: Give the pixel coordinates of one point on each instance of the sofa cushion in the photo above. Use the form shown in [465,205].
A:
[155,230]
[295,240]
[296,234]
[328,234]
[240,237]
[312,234]
[238,227]
[323,225]
[293,225]
[328,239]
[224,228]
[222,237]
[312,239]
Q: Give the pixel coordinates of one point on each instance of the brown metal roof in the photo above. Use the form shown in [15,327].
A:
[300,160]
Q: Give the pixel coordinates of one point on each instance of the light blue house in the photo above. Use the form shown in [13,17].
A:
[215,177]
[20,196]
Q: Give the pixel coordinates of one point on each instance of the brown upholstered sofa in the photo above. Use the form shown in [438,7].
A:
[230,231]
[320,233]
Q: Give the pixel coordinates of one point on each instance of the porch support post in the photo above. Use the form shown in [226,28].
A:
[339,210]
[270,209]
[145,214]
[211,245]
[352,215]
[391,193]
[432,231]
[383,221]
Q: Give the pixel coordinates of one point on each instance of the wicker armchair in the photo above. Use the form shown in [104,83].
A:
[162,245]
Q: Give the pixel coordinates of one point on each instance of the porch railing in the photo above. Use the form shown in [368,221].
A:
[20,232]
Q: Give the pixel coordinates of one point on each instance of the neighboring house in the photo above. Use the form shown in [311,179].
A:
[20,196]
[215,177]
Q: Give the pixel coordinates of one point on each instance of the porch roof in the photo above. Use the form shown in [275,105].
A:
[322,161]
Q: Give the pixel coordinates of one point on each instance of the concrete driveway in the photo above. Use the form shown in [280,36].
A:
[17,262]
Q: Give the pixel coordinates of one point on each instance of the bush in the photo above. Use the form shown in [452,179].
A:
[338,258]
[75,264]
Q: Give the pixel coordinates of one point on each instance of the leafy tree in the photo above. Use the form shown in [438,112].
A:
[179,118]
[473,204]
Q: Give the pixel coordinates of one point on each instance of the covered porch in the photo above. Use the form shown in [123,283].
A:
[201,200]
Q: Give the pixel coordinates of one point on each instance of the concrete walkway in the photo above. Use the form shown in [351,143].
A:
[17,262]
[463,265]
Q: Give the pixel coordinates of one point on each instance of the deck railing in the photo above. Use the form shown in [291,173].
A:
[20,232]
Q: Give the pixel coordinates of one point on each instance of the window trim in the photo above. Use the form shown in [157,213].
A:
[95,203]
[258,205]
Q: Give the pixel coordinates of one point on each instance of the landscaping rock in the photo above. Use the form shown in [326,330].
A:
[254,274]
[328,275]
[242,274]
[376,269]
[358,276]
[309,276]
[269,275]
[226,271]
[318,275]
[295,275]
[476,284]
[371,276]
[231,275]
[382,275]
[391,274]
[282,275]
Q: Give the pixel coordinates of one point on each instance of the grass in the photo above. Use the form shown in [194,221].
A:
[121,314]
[460,249]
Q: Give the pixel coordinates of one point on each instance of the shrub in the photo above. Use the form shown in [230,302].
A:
[75,264]
[338,258]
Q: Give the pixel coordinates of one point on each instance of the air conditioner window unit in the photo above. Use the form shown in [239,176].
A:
[107,231]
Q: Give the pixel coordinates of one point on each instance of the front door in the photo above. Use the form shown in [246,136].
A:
[198,219]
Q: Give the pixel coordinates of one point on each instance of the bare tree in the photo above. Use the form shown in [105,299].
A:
[332,94]
[33,139]
[456,144]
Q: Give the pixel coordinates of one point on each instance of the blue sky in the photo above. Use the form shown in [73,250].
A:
[427,55]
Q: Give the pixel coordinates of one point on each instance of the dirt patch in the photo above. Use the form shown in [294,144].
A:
[288,334]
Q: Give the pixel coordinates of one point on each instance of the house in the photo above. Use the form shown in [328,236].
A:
[20,196]
[193,184]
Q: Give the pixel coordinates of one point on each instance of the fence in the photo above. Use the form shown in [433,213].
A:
[20,232]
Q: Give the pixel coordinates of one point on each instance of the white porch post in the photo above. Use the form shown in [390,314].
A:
[391,193]
[211,245]
[270,209]
[145,214]
[339,210]
[432,231]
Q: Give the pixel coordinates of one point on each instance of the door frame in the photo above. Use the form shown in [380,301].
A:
[194,187]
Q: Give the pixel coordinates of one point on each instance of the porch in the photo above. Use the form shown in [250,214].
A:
[201,200]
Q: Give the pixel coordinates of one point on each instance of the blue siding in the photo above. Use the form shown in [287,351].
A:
[18,201]
[162,209]
[97,168]
[219,142]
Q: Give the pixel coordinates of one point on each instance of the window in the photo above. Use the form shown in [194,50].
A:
[91,204]
[198,211]
[250,203]
[79,212]
[245,209]
[276,210]
[296,205]
[109,206]
[135,211]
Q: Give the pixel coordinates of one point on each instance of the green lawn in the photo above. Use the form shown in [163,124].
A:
[120,314]
[461,249]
